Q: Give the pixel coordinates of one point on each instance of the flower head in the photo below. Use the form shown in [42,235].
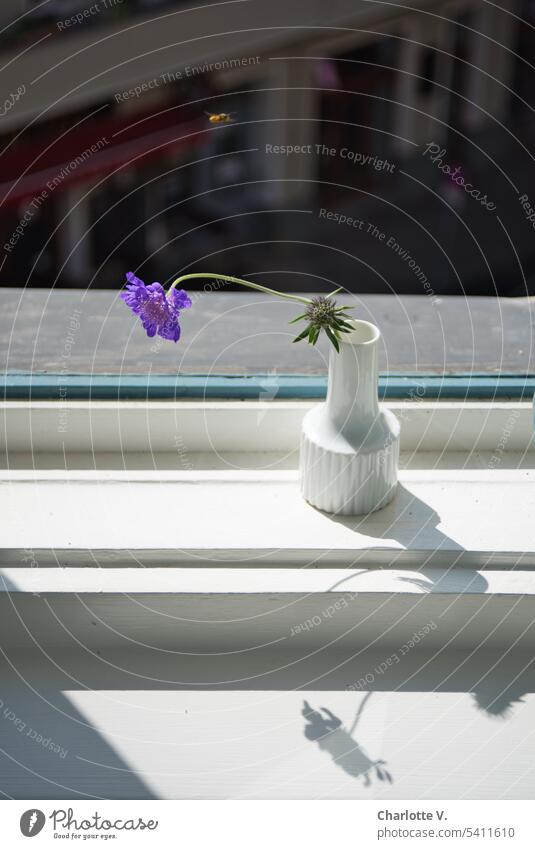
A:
[158,312]
[323,314]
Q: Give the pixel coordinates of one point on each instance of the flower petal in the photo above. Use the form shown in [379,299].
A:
[132,300]
[135,293]
[133,280]
[150,327]
[170,330]
[179,299]
[156,289]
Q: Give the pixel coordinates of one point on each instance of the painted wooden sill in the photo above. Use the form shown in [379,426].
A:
[227,543]
[475,511]
[476,518]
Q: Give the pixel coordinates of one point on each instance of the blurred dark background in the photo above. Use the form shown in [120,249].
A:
[110,163]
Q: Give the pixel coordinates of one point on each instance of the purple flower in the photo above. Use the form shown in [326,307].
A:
[158,312]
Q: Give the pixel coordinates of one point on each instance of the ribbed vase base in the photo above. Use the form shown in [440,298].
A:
[348,484]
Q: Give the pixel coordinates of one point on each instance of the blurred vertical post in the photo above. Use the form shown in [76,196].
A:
[492,64]
[75,260]
[291,112]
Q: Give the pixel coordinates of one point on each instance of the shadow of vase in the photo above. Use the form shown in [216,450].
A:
[413,524]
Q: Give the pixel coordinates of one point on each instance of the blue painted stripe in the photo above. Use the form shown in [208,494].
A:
[262,386]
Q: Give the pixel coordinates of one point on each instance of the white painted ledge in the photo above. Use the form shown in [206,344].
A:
[180,669]
[245,426]
[297,582]
[472,518]
[207,611]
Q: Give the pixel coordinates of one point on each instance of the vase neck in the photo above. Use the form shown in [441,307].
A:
[352,400]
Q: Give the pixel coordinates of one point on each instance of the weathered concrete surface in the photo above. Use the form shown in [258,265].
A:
[78,331]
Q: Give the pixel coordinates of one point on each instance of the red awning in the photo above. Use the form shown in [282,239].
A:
[93,149]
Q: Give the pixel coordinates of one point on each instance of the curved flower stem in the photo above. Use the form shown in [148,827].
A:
[240,282]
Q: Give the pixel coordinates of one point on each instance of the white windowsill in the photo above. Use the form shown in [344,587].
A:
[217,481]
[172,601]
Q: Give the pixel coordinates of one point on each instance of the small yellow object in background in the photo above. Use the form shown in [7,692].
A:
[220,117]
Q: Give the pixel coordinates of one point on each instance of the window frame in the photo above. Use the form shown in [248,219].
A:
[424,386]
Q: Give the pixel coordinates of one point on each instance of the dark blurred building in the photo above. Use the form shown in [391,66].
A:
[109,160]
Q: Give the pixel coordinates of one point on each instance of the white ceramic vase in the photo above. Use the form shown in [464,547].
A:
[349,444]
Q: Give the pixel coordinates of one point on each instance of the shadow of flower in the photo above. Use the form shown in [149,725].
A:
[328,732]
